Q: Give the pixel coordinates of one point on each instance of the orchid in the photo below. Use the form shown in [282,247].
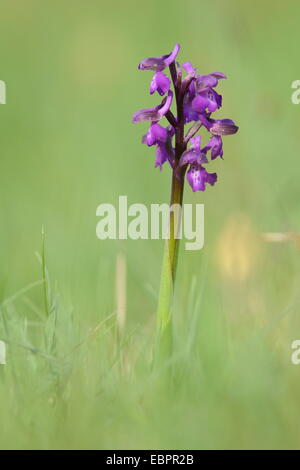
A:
[196,101]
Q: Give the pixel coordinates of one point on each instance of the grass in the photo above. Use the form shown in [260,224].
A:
[79,337]
[70,383]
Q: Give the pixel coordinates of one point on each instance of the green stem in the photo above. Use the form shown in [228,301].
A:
[169,267]
[168,274]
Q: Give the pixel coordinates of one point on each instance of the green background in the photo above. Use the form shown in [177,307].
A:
[67,145]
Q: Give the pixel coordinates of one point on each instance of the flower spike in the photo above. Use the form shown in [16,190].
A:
[196,101]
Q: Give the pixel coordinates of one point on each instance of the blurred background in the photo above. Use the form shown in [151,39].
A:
[68,145]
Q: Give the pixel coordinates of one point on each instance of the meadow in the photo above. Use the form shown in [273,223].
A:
[77,313]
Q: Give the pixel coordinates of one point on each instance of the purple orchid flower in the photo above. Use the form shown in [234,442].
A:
[204,82]
[200,96]
[160,83]
[196,101]
[159,63]
[215,144]
[162,155]
[155,134]
[154,114]
[198,177]
[189,112]
[218,126]
[188,67]
[207,99]
[223,127]
[162,138]
[193,154]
